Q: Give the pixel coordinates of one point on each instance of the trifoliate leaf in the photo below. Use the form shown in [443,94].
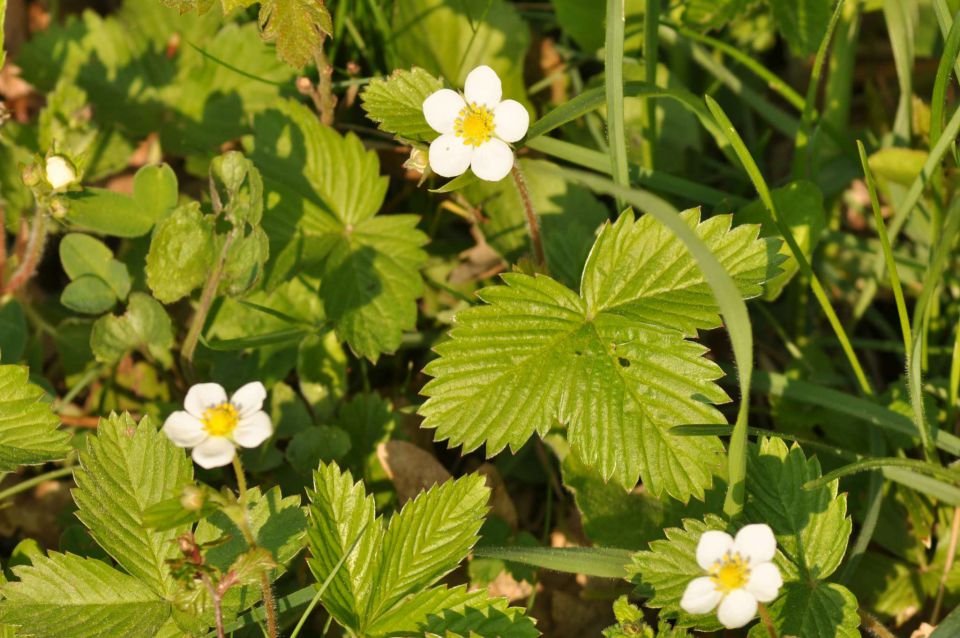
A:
[342,517]
[323,193]
[182,252]
[668,567]
[396,103]
[428,539]
[630,624]
[385,587]
[82,255]
[124,470]
[239,187]
[569,218]
[297,26]
[144,326]
[611,363]
[243,267]
[66,596]
[28,427]
[449,38]
[811,526]
[88,294]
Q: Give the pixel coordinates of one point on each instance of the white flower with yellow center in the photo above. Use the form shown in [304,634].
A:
[740,574]
[475,127]
[213,425]
[60,172]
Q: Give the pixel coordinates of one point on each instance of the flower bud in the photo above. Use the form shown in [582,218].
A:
[192,498]
[60,172]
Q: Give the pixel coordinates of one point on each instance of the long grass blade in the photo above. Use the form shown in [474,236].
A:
[651,50]
[602,562]
[613,84]
[921,467]
[763,190]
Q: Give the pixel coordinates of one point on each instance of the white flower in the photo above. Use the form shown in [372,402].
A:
[60,172]
[475,127]
[740,574]
[213,425]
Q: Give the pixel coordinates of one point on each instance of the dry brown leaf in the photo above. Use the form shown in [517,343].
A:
[411,469]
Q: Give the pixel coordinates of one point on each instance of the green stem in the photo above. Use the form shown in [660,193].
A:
[23,486]
[767,621]
[613,79]
[651,45]
[206,300]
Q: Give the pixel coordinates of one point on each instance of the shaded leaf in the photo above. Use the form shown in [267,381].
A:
[28,427]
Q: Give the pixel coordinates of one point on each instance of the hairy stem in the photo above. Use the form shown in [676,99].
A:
[268,601]
[36,241]
[217,604]
[766,620]
[206,300]
[326,101]
[532,221]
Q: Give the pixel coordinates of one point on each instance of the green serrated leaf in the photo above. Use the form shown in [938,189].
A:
[182,252]
[396,103]
[492,620]
[669,566]
[126,469]
[340,513]
[826,610]
[186,6]
[449,38]
[28,427]
[66,596]
[298,28]
[409,617]
[612,363]
[428,539]
[811,526]
[323,193]
[144,326]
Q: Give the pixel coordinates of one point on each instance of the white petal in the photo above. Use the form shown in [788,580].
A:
[203,396]
[700,596]
[249,398]
[253,430]
[441,108]
[60,173]
[757,543]
[184,429]
[711,548]
[216,451]
[449,156]
[483,87]
[492,160]
[510,120]
[737,609]
[765,582]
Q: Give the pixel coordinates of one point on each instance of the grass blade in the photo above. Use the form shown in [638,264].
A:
[602,562]
[921,467]
[613,82]
[763,190]
[651,50]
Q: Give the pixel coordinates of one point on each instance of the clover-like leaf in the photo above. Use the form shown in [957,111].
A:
[612,364]
[182,252]
[28,427]
[144,326]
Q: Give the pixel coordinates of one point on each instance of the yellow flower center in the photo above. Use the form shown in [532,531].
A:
[220,420]
[730,572]
[474,125]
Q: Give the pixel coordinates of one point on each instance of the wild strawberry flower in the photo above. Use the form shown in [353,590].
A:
[475,127]
[213,425]
[60,172]
[740,574]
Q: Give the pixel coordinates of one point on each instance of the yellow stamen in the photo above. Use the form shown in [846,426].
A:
[220,420]
[730,572]
[474,125]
